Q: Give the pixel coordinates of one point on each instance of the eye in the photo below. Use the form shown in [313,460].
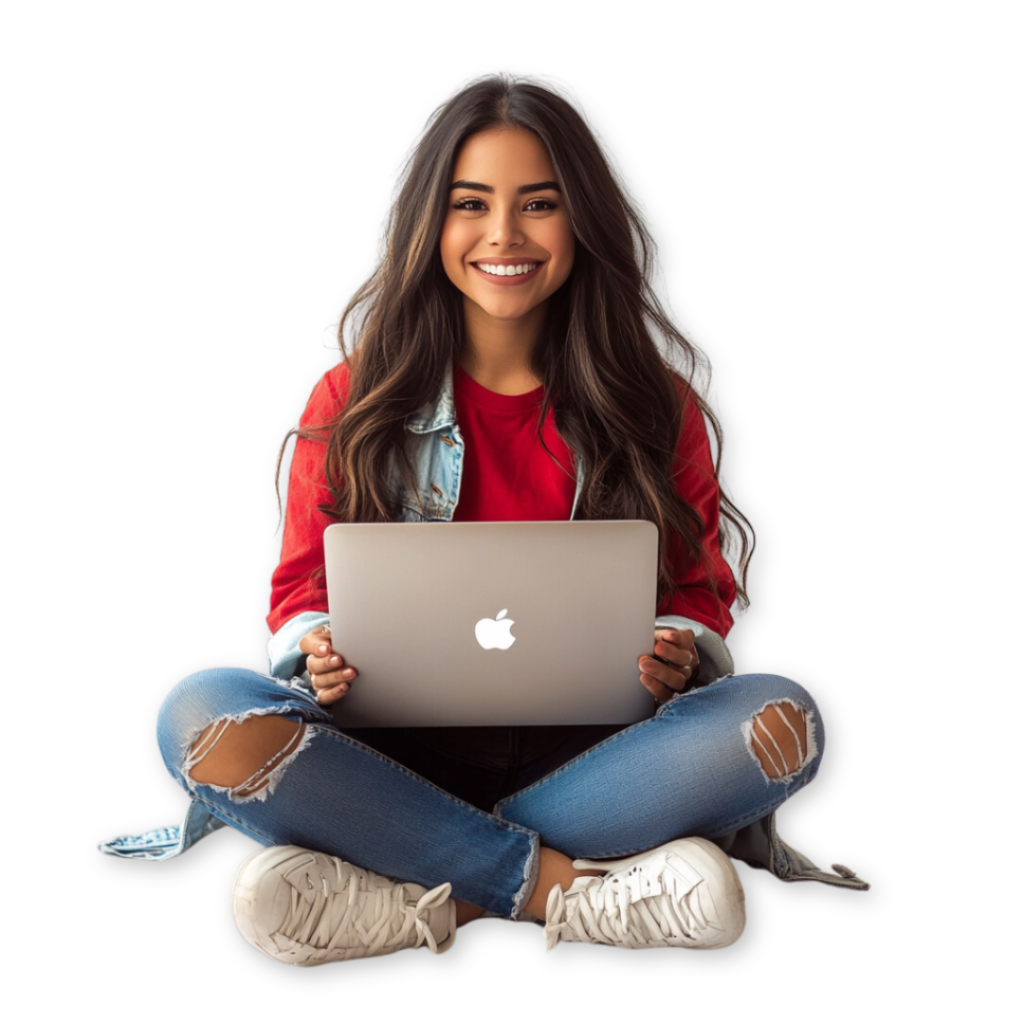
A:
[473,205]
[540,205]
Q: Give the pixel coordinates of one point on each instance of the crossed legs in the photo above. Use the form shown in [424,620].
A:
[286,775]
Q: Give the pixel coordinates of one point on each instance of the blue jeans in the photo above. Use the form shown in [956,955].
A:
[692,769]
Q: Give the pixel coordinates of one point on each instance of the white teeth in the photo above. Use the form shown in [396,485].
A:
[507,270]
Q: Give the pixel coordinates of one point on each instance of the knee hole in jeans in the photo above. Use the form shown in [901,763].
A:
[781,738]
[244,757]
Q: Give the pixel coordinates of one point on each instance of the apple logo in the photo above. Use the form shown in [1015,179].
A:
[496,632]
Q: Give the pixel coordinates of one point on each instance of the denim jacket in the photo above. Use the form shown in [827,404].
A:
[438,458]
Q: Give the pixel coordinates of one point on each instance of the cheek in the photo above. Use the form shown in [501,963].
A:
[452,248]
[566,249]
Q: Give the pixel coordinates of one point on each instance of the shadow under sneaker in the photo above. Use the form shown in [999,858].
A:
[307,908]
[685,893]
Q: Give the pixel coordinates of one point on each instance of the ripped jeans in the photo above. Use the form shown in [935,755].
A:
[709,762]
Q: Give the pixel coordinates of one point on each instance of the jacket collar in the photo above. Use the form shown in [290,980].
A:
[439,413]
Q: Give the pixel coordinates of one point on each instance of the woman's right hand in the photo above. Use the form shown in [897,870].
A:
[328,672]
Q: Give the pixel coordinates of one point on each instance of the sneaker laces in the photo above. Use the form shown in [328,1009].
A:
[358,916]
[629,910]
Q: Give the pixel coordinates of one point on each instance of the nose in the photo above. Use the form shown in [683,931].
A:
[504,229]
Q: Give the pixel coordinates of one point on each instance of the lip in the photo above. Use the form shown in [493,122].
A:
[508,282]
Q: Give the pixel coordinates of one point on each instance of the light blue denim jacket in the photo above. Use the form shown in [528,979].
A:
[438,458]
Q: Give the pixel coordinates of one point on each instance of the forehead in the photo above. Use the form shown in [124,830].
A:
[512,156]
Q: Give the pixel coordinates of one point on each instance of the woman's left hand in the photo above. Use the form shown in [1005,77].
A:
[673,666]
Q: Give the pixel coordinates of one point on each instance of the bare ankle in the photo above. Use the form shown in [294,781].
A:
[555,869]
[466,912]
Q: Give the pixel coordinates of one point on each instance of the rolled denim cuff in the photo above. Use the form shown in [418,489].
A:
[286,660]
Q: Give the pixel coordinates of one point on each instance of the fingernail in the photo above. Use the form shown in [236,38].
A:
[344,687]
[322,649]
[348,673]
[335,660]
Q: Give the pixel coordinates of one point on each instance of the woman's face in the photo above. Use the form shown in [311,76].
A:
[506,242]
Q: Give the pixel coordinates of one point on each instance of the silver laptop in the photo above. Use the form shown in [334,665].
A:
[517,623]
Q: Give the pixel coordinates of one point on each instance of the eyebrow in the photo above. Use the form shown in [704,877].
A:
[476,186]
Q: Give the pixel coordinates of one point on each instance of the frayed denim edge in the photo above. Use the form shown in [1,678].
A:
[809,755]
[188,763]
[531,875]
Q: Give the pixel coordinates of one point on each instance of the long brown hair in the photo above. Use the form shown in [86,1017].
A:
[619,407]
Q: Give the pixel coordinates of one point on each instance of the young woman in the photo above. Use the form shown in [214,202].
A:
[506,367]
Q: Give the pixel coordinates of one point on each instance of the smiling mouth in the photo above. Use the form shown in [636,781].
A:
[508,269]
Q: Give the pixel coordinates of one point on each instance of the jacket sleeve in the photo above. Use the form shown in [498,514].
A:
[298,600]
[704,592]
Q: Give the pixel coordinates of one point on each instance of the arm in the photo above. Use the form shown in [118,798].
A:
[705,590]
[298,602]
[694,619]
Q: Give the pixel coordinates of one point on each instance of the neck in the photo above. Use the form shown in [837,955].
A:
[496,353]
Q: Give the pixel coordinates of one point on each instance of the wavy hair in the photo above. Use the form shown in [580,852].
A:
[620,404]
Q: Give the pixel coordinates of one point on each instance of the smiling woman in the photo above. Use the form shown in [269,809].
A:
[508,246]
[505,366]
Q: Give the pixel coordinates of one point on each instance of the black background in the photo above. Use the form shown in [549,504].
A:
[242,208]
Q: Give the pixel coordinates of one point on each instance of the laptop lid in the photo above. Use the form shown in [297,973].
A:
[508,623]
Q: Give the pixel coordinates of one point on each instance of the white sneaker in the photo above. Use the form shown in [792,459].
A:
[685,893]
[307,908]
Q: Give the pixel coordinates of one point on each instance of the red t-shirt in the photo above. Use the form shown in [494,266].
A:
[506,476]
